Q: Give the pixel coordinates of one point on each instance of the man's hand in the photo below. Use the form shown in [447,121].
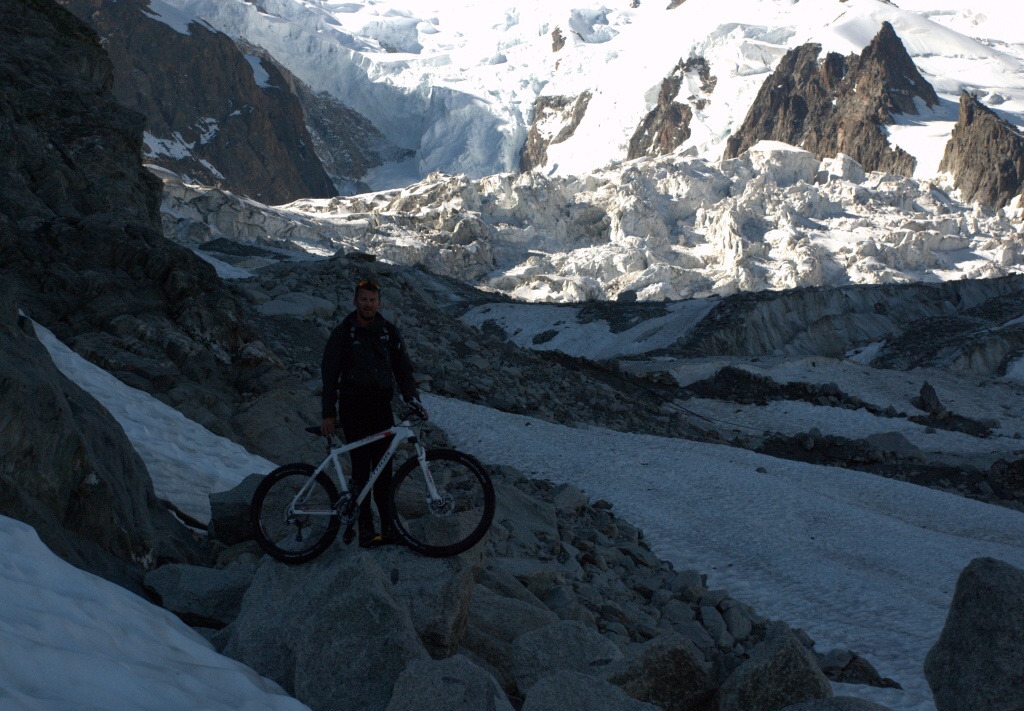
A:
[417,407]
[328,427]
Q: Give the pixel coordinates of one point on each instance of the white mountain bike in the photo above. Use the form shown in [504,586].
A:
[442,500]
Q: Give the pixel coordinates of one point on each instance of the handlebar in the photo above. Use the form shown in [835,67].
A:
[414,416]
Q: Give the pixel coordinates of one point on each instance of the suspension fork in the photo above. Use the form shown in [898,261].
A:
[432,492]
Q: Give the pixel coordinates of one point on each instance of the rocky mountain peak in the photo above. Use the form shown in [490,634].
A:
[346,142]
[885,67]
[985,155]
[555,119]
[667,126]
[838,105]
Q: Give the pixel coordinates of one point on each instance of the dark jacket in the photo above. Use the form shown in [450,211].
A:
[362,363]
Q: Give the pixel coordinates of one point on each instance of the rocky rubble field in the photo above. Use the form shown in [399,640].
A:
[562,606]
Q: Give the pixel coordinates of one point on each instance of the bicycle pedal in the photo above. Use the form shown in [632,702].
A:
[349,535]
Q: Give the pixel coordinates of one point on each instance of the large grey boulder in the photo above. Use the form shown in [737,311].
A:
[780,672]
[566,644]
[573,690]
[201,596]
[506,584]
[229,511]
[505,617]
[331,631]
[453,684]
[531,521]
[495,621]
[978,660]
[436,592]
[668,671]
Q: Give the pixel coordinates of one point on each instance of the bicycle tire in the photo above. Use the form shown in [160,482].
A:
[462,522]
[294,539]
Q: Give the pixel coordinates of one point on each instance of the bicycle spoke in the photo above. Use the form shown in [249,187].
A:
[289,529]
[454,521]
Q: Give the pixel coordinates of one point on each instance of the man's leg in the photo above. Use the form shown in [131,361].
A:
[362,421]
[363,461]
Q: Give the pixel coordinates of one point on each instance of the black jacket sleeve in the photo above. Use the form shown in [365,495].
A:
[330,370]
[401,366]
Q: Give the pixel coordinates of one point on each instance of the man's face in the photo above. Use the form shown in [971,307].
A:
[367,304]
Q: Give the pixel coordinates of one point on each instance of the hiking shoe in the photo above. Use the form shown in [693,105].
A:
[371,539]
[391,538]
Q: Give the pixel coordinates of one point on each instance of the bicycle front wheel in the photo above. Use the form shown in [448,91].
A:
[290,528]
[453,521]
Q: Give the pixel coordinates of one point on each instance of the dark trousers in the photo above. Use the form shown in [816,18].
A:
[361,417]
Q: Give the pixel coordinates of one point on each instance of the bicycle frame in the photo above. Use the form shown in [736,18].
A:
[400,433]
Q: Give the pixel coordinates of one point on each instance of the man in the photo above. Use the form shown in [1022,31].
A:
[363,358]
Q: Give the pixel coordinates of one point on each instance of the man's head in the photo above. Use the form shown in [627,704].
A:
[367,300]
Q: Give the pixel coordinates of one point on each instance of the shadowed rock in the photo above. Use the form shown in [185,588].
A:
[978,660]
[839,104]
[780,672]
[985,155]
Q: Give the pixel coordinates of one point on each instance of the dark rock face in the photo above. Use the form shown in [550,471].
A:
[347,144]
[557,40]
[80,243]
[667,126]
[67,150]
[839,105]
[985,155]
[68,470]
[566,110]
[225,119]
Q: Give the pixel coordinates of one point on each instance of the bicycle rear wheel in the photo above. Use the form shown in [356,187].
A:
[291,530]
[456,521]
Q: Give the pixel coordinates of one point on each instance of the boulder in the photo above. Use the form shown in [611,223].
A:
[566,644]
[201,596]
[848,667]
[331,632]
[780,672]
[668,671]
[528,519]
[505,618]
[978,660]
[452,684]
[436,592]
[504,583]
[229,511]
[572,690]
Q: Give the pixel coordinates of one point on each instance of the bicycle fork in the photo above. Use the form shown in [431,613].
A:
[436,501]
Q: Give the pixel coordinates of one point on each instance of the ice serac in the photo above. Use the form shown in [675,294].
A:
[839,104]
[985,155]
[212,113]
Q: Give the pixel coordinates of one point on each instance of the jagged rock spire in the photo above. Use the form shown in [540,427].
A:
[985,155]
[838,105]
